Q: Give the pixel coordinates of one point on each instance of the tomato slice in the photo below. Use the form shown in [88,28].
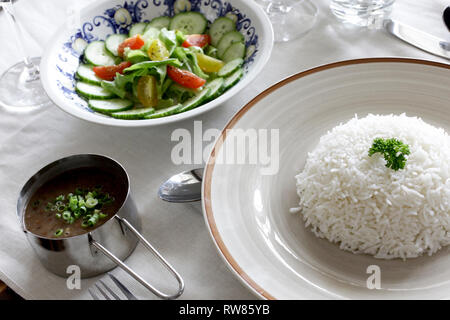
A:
[147,91]
[157,51]
[185,78]
[209,64]
[197,40]
[109,72]
[133,43]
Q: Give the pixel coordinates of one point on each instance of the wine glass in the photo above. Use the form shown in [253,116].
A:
[290,19]
[20,85]
[368,13]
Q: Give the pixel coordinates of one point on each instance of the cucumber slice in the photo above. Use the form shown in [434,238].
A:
[160,22]
[165,112]
[96,54]
[132,114]
[230,81]
[113,41]
[216,88]
[230,67]
[227,40]
[92,91]
[112,105]
[195,101]
[86,74]
[150,34]
[164,103]
[220,27]
[189,22]
[138,28]
[236,50]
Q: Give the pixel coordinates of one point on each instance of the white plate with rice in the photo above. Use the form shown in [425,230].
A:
[269,247]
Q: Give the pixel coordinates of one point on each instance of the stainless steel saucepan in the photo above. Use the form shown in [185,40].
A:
[105,247]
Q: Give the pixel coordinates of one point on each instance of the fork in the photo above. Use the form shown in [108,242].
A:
[112,295]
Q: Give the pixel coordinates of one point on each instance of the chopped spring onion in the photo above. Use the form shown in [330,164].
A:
[83,204]
[91,202]
[73,203]
[66,215]
[94,219]
[59,232]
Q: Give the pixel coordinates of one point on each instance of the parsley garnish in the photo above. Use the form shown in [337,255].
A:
[393,150]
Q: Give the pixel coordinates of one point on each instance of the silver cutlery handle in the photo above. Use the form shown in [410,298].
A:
[138,278]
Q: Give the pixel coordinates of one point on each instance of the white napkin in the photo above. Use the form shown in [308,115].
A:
[28,141]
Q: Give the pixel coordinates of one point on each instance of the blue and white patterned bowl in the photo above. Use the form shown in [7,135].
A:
[99,20]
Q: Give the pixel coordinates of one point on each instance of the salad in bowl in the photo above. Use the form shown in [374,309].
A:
[147,62]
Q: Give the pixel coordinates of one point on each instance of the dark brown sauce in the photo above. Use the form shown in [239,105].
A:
[43,222]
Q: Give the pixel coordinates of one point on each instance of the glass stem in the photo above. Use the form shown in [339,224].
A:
[32,71]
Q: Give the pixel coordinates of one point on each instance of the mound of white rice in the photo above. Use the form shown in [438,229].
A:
[354,200]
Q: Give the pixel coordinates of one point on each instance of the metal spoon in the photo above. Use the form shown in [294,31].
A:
[446,17]
[183,187]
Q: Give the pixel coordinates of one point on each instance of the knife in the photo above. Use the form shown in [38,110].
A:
[418,38]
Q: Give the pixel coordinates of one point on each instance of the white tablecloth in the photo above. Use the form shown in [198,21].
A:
[28,141]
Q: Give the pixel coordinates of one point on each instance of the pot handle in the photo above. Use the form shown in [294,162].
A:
[128,270]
